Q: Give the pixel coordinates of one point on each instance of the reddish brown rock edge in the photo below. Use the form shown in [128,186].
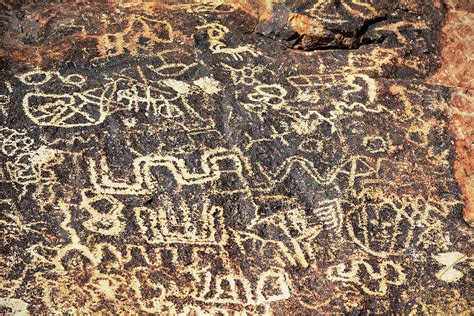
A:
[457,71]
[462,123]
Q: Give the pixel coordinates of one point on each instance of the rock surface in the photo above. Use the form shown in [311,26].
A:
[311,157]
[457,72]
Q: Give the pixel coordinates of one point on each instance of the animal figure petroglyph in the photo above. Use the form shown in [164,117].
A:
[217,33]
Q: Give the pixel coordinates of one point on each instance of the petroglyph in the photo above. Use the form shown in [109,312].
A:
[390,273]
[144,182]
[216,33]
[187,226]
[449,260]
[5,91]
[172,160]
[140,33]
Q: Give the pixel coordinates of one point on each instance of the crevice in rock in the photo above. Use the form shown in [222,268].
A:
[333,40]
[343,40]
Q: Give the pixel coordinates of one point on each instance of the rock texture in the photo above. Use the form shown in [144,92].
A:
[456,71]
[305,158]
